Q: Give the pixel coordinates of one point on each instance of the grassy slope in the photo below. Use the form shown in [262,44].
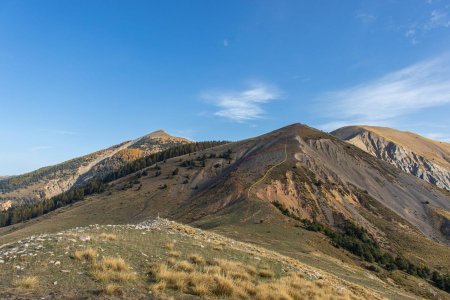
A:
[51,260]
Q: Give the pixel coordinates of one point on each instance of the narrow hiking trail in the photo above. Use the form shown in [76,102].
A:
[262,179]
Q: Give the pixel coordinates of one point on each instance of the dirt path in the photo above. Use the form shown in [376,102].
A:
[268,171]
[262,179]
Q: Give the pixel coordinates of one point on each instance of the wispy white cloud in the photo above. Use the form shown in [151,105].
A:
[384,100]
[438,18]
[241,106]
[411,34]
[365,18]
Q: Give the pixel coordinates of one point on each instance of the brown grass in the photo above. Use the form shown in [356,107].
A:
[230,279]
[88,254]
[266,273]
[196,259]
[184,266]
[113,289]
[112,269]
[169,246]
[27,282]
[174,254]
[171,261]
[108,236]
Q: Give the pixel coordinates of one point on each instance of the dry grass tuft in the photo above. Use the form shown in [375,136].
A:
[108,236]
[88,254]
[112,263]
[196,259]
[113,289]
[251,270]
[184,266]
[171,261]
[223,286]
[112,268]
[27,282]
[169,246]
[266,273]
[174,254]
[212,269]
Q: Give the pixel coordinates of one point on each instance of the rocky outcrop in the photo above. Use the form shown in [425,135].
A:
[410,159]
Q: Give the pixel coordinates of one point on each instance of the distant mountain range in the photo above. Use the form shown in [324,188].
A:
[53,180]
[346,203]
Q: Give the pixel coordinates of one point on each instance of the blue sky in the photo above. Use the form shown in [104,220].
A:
[77,76]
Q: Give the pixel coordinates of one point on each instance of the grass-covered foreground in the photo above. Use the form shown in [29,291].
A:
[157,260]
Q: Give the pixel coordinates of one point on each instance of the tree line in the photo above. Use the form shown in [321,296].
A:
[98,183]
[357,240]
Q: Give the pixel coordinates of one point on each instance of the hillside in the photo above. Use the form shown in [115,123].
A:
[160,258]
[53,180]
[293,191]
[412,153]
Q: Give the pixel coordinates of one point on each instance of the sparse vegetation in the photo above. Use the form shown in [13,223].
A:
[113,289]
[108,236]
[112,269]
[174,254]
[196,259]
[88,254]
[27,282]
[169,246]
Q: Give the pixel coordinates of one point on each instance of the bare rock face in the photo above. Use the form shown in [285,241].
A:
[429,160]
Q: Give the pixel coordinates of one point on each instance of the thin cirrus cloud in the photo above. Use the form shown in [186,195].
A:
[397,94]
[436,19]
[245,105]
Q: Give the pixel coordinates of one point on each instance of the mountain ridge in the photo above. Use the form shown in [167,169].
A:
[410,152]
[52,180]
